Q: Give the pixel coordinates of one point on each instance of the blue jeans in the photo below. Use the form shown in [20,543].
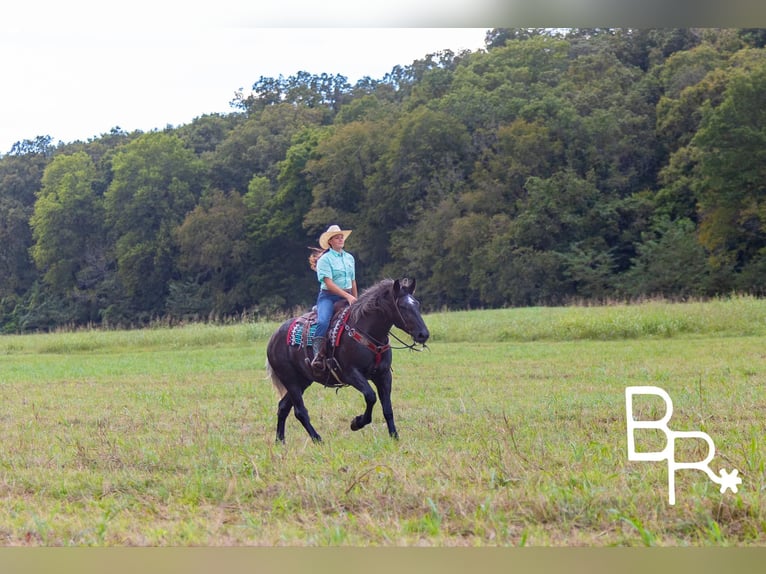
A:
[325,303]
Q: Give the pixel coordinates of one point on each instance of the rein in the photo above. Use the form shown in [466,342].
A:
[411,347]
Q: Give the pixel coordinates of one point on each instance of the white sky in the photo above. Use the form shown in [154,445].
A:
[72,70]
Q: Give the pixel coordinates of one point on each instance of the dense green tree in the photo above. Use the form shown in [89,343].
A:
[562,210]
[438,252]
[688,79]
[522,149]
[340,165]
[40,146]
[207,132]
[317,91]
[426,159]
[611,132]
[491,89]
[156,182]
[341,172]
[213,256]
[280,272]
[16,270]
[650,47]
[497,37]
[518,276]
[20,179]
[68,222]
[670,262]
[368,107]
[691,80]
[590,267]
[732,168]
[753,37]
[257,145]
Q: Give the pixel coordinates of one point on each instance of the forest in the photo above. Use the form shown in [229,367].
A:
[550,167]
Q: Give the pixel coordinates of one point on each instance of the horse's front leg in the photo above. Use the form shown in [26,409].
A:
[383,383]
[359,382]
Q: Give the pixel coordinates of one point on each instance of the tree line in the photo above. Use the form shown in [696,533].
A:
[551,166]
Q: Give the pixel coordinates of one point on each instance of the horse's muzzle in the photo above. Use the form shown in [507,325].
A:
[421,335]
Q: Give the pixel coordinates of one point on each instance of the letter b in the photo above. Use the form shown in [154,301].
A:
[662,424]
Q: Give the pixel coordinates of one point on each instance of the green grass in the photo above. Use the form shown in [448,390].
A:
[737,315]
[512,433]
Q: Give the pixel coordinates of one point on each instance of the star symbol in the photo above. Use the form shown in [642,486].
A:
[729,480]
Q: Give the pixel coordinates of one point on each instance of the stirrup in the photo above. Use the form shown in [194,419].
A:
[318,367]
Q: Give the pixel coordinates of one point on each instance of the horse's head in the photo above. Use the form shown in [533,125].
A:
[408,317]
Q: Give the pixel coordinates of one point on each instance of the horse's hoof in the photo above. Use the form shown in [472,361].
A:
[394,435]
[317,439]
[355,424]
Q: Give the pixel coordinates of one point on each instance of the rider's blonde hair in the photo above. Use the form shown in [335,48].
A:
[316,253]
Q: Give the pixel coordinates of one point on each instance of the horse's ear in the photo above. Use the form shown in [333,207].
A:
[397,286]
[408,285]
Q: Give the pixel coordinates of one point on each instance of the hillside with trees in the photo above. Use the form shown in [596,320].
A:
[552,166]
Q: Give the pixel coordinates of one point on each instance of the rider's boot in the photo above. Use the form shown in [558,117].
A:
[318,363]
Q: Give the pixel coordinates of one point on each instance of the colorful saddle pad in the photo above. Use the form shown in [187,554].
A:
[302,330]
[301,333]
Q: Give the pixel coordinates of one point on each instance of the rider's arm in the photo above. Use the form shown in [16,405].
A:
[332,287]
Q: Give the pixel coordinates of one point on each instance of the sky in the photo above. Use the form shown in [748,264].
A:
[73,71]
[76,69]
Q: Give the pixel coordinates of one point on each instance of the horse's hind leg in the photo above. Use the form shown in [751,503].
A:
[302,414]
[293,399]
[284,408]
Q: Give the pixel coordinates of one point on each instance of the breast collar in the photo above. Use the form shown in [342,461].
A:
[365,341]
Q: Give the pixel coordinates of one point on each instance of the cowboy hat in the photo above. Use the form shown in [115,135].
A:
[332,231]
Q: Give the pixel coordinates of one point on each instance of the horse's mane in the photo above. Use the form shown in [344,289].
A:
[372,300]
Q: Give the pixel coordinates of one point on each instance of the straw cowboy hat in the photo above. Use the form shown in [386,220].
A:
[332,231]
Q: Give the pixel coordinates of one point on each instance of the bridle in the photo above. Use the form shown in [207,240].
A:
[378,348]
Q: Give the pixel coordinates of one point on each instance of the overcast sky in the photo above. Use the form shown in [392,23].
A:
[73,71]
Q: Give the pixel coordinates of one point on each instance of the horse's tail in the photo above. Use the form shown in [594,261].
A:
[275,380]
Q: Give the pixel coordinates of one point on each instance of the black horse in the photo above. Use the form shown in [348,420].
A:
[361,353]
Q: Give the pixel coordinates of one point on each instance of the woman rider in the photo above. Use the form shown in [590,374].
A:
[336,272]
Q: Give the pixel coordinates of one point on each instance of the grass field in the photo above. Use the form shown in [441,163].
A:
[512,427]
